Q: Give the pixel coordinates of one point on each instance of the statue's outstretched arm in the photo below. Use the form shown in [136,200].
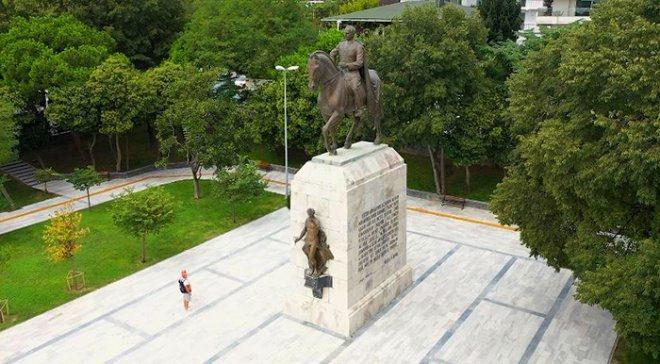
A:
[302,234]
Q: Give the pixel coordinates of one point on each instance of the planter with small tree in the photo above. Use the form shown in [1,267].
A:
[63,237]
[83,179]
[143,213]
[239,184]
[46,175]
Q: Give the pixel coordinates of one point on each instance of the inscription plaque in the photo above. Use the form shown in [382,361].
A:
[378,234]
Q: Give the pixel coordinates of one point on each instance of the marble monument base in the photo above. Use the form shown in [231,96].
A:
[359,197]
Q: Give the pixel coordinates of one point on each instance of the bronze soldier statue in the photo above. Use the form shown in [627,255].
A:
[347,88]
[316,247]
[351,62]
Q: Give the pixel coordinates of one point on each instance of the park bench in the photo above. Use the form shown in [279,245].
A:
[454,199]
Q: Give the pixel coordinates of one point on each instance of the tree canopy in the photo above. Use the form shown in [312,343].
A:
[265,108]
[48,52]
[8,130]
[239,184]
[435,89]
[117,92]
[583,185]
[143,213]
[197,125]
[143,29]
[502,17]
[245,36]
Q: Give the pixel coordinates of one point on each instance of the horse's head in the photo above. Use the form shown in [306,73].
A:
[313,70]
[318,65]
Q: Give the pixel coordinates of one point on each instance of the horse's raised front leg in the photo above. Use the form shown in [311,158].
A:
[329,130]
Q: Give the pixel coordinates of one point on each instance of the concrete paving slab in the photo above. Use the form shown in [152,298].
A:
[476,296]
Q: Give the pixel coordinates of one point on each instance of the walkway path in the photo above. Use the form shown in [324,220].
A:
[477,297]
[43,210]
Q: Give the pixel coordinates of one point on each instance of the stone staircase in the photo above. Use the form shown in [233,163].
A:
[22,172]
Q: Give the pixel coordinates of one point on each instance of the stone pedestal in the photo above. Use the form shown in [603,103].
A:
[360,199]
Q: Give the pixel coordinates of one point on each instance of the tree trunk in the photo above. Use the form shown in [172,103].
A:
[144,248]
[112,147]
[91,151]
[118,153]
[78,144]
[7,197]
[128,155]
[442,171]
[152,136]
[435,170]
[89,202]
[467,179]
[196,182]
[46,186]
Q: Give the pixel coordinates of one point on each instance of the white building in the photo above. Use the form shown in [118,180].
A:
[563,12]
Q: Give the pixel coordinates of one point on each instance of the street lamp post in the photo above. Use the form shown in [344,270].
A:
[286,136]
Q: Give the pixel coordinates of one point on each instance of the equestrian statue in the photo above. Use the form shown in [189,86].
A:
[346,89]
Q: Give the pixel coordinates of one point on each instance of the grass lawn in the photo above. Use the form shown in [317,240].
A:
[483,179]
[22,195]
[34,284]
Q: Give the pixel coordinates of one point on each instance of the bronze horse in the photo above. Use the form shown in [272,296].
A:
[336,100]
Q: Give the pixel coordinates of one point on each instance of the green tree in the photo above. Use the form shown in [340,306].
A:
[8,142]
[583,184]
[239,184]
[46,175]
[435,89]
[357,5]
[205,130]
[116,89]
[144,213]
[73,109]
[63,235]
[45,53]
[244,36]
[144,29]
[502,18]
[83,179]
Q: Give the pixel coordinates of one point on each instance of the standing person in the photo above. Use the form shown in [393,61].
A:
[185,288]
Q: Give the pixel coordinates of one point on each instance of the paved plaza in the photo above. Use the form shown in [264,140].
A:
[476,298]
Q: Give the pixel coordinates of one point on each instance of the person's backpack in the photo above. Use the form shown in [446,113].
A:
[182,287]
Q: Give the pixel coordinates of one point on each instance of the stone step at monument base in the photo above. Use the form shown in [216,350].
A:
[359,201]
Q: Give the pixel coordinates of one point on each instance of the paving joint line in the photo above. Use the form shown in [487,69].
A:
[335,353]
[475,246]
[513,307]
[534,343]
[198,311]
[314,326]
[468,311]
[117,309]
[241,339]
[127,327]
[224,275]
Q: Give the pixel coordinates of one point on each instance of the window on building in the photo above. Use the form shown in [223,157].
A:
[583,7]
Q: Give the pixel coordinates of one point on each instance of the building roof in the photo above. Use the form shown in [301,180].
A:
[382,14]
